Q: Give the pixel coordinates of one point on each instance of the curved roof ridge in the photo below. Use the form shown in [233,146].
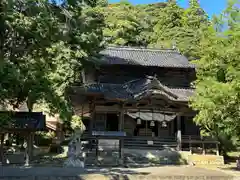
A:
[127,48]
[141,56]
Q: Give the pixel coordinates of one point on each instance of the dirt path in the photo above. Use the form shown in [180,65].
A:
[164,172]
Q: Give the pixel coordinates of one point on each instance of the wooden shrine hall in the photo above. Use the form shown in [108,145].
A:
[143,93]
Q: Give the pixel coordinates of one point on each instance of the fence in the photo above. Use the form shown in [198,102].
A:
[188,142]
[198,143]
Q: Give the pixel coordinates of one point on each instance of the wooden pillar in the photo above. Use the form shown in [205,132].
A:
[97,150]
[121,141]
[190,144]
[91,121]
[172,128]
[146,128]
[29,149]
[179,133]
[203,148]
[121,121]
[92,117]
[2,160]
[217,149]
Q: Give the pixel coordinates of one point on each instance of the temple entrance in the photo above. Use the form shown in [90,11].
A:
[112,122]
[146,128]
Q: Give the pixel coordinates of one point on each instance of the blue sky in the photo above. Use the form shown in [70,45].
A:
[210,6]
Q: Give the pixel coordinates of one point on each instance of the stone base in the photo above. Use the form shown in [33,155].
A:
[205,159]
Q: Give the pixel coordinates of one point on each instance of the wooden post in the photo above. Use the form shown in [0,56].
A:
[217,148]
[97,152]
[190,144]
[92,117]
[121,141]
[179,133]
[2,160]
[146,127]
[172,128]
[29,149]
[203,148]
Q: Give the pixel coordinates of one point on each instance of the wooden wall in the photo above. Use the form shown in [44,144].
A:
[172,77]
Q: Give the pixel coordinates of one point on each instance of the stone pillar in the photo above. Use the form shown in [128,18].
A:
[179,133]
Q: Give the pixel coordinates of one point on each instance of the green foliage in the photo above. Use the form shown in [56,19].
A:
[160,25]
[46,135]
[76,123]
[123,25]
[168,26]
[217,97]
[43,48]
[4,119]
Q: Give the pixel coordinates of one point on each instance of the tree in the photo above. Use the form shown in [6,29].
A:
[194,17]
[43,48]
[217,97]
[123,25]
[168,26]
[159,25]
[194,21]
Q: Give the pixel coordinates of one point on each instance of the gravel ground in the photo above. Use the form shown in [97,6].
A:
[165,172]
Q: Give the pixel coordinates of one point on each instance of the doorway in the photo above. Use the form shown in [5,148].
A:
[112,122]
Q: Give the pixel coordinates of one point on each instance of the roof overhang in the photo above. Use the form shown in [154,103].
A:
[149,87]
[152,116]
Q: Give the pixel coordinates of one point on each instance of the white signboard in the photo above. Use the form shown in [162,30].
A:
[108,144]
[150,142]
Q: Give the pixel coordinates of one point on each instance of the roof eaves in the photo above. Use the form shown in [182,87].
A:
[127,48]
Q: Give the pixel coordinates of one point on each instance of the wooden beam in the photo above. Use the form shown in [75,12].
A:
[107,109]
[154,109]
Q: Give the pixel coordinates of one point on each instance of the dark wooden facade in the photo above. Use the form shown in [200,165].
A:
[142,92]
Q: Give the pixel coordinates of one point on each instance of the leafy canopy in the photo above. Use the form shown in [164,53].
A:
[217,97]
[43,46]
[160,25]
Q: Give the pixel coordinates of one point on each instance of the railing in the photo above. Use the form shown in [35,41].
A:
[188,142]
[138,142]
[199,143]
[155,143]
[196,138]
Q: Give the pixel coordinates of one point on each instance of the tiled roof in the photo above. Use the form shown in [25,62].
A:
[137,89]
[144,57]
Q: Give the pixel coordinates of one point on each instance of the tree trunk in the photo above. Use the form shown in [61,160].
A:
[29,105]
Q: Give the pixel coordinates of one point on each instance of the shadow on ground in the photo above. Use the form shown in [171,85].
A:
[59,173]
[153,158]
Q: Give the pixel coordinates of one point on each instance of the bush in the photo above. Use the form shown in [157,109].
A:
[44,138]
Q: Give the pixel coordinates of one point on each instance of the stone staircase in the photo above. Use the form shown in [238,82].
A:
[134,158]
[149,144]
